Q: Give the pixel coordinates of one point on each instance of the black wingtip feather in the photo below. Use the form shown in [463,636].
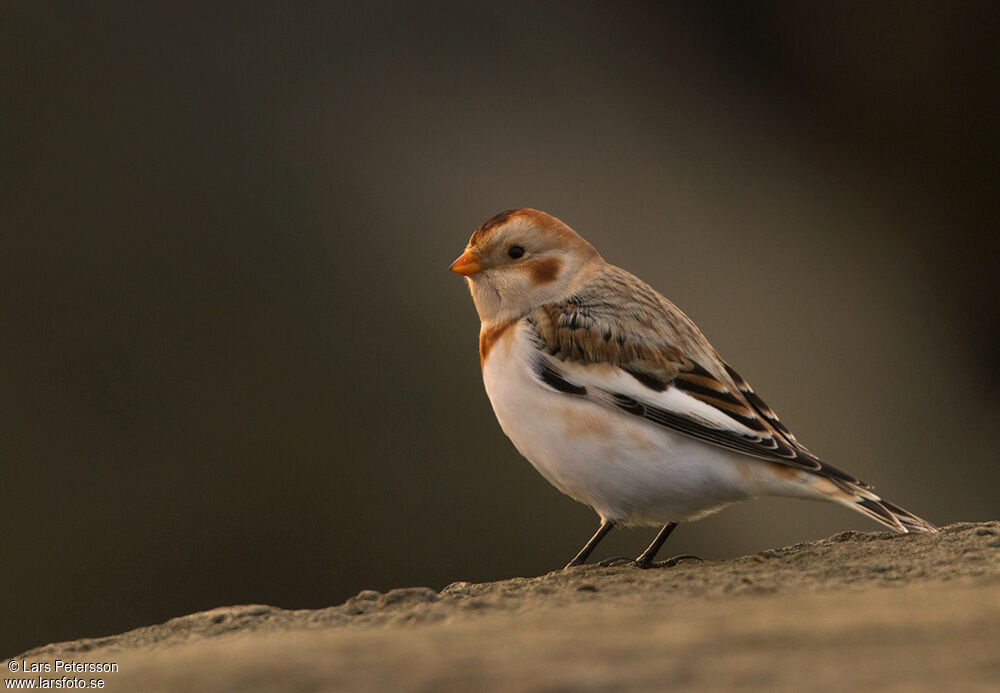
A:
[652,382]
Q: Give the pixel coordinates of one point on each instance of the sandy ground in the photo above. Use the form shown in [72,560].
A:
[900,613]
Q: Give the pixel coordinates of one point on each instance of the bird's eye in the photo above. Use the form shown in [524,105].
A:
[515,251]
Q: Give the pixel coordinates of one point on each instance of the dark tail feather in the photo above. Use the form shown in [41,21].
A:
[890,515]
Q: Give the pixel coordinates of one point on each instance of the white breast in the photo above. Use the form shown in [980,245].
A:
[629,470]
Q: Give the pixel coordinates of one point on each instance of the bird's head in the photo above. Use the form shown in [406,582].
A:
[521,259]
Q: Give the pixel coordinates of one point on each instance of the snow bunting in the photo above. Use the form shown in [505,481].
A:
[617,398]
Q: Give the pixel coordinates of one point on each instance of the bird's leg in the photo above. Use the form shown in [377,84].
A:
[645,559]
[606,526]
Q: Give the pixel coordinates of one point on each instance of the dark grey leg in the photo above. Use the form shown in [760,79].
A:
[645,559]
[606,526]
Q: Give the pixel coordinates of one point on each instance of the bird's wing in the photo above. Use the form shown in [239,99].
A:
[620,343]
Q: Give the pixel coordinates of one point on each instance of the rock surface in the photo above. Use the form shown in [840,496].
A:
[910,612]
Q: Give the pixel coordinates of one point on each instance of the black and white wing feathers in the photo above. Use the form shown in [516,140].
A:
[620,343]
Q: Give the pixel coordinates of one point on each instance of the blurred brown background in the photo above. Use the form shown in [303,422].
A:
[235,368]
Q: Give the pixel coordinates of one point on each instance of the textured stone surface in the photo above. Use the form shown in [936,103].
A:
[911,612]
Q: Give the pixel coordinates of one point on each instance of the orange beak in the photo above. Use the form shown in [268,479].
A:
[466,264]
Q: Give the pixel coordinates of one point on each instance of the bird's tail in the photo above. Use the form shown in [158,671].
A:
[892,516]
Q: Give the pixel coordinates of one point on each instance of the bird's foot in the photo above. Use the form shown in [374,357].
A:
[669,563]
[645,563]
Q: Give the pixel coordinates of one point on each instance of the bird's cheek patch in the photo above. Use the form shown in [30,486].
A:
[544,271]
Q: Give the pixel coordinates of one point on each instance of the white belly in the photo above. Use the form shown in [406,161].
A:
[627,469]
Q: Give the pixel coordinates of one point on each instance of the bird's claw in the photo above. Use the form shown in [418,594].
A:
[672,561]
[622,561]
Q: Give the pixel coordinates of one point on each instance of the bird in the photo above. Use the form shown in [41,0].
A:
[617,398]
